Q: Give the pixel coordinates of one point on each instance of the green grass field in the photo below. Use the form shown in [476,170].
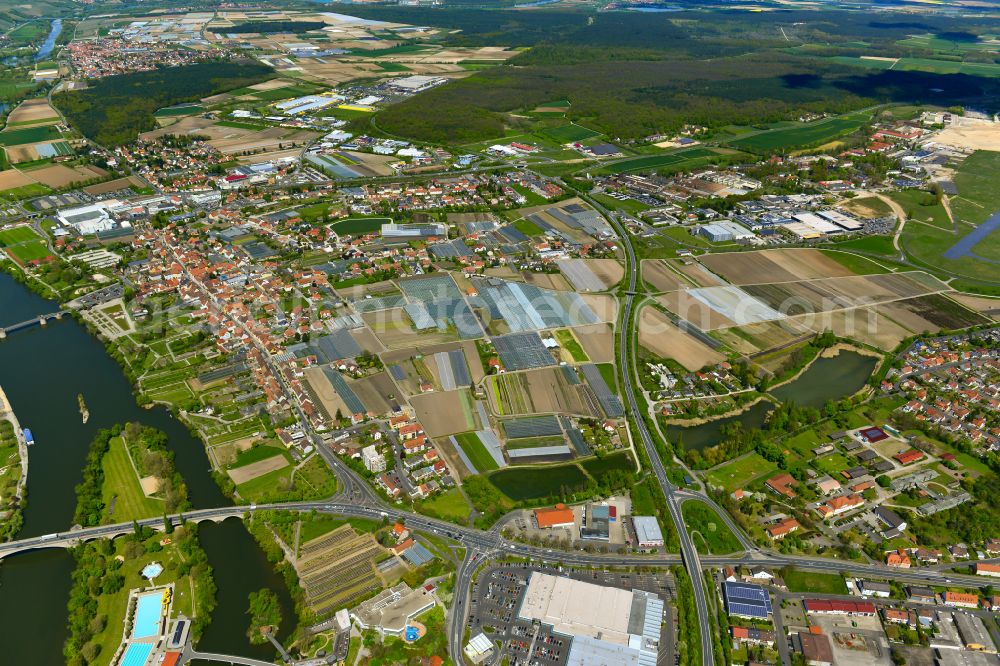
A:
[855,262]
[476,451]
[569,342]
[811,581]
[359,225]
[449,505]
[650,162]
[17,235]
[702,519]
[29,135]
[121,487]
[527,227]
[569,133]
[805,134]
[740,473]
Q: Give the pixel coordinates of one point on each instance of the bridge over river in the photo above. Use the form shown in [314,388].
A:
[40,320]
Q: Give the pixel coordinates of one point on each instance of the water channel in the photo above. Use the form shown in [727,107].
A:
[42,370]
[826,379]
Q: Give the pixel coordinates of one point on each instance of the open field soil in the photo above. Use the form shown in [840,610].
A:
[114,185]
[547,280]
[658,276]
[598,342]
[754,338]
[33,111]
[376,392]
[445,413]
[58,176]
[258,469]
[982,304]
[693,311]
[11,179]
[603,305]
[940,311]
[367,340]
[766,266]
[699,275]
[660,336]
[329,399]
[608,271]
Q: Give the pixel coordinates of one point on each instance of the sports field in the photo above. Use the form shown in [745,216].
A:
[569,133]
[804,134]
[24,244]
[359,225]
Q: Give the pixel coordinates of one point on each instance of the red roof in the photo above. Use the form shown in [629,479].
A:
[907,457]
[873,434]
[560,515]
[170,658]
[836,606]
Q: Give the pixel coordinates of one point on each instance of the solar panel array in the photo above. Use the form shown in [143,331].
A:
[610,403]
[397,371]
[534,426]
[746,599]
[522,351]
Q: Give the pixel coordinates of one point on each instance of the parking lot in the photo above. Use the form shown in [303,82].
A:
[496,599]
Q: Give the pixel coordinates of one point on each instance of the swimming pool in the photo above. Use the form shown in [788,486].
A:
[147,615]
[412,634]
[136,654]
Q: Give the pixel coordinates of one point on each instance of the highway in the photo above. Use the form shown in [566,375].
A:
[625,370]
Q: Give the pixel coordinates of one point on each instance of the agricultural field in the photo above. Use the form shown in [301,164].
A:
[570,344]
[337,569]
[816,133]
[681,159]
[476,451]
[445,412]
[569,133]
[540,391]
[359,225]
[449,505]
[665,340]
[658,275]
[17,137]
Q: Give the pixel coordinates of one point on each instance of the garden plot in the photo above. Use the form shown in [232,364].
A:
[662,337]
[394,330]
[329,399]
[376,392]
[767,266]
[546,280]
[543,391]
[258,469]
[338,569]
[660,277]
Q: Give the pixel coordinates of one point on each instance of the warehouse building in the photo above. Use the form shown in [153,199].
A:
[647,532]
[746,600]
[724,231]
[607,625]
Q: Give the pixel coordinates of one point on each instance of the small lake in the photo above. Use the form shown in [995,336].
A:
[826,379]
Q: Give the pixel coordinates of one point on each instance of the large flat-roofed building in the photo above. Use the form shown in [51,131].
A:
[608,625]
[598,523]
[558,516]
[724,231]
[647,532]
[746,600]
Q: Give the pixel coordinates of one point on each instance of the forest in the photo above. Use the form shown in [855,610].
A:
[116,109]
[631,74]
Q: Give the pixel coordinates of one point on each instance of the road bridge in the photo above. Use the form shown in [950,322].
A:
[40,320]
[191,655]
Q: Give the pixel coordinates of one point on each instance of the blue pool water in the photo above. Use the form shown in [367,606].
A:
[136,654]
[147,615]
[152,570]
[412,633]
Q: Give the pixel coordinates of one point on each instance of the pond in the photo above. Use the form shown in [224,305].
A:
[826,379]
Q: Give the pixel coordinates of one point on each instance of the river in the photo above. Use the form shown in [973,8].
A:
[50,42]
[826,379]
[42,370]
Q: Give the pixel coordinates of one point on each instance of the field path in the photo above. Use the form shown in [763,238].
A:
[900,215]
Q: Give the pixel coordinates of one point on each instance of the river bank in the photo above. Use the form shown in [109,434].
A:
[11,524]
[44,370]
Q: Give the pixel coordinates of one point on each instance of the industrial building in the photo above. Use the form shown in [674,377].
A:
[724,231]
[558,516]
[607,625]
[647,531]
[396,230]
[596,523]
